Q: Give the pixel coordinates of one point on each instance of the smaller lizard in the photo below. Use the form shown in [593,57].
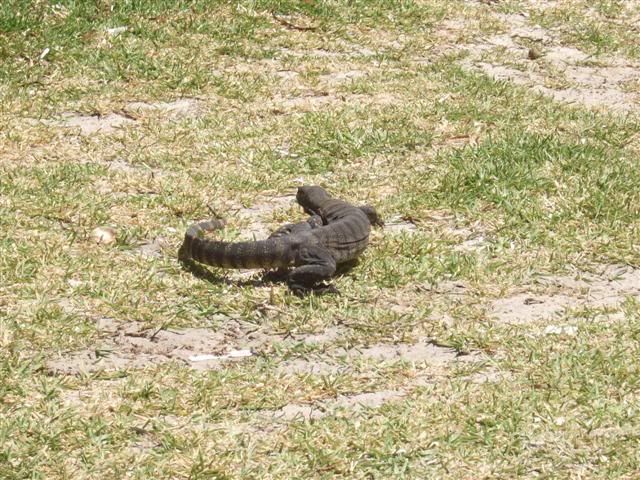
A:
[335,233]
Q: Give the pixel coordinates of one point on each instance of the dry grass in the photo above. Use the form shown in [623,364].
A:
[489,332]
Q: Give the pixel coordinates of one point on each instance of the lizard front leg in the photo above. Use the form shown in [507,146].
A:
[315,264]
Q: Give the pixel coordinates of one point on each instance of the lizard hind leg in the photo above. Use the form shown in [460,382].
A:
[282,273]
[312,222]
[315,264]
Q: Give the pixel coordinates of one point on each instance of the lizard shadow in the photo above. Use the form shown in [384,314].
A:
[267,277]
[206,274]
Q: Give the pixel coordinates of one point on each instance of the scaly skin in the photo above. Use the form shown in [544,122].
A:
[336,232]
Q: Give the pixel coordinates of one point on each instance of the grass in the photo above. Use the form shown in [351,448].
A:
[602,30]
[374,102]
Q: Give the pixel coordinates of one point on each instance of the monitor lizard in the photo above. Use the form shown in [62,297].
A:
[335,233]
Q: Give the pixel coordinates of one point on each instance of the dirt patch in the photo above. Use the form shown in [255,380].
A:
[447,288]
[337,78]
[297,412]
[533,32]
[526,308]
[181,108]
[605,288]
[612,98]
[255,216]
[567,55]
[417,353]
[474,243]
[152,248]
[328,335]
[310,367]
[441,297]
[399,225]
[287,75]
[106,324]
[316,100]
[469,239]
[365,400]
[501,72]
[133,346]
[121,165]
[253,222]
[593,86]
[368,399]
[352,403]
[95,124]
[598,77]
[489,376]
[350,51]
[306,101]
[91,124]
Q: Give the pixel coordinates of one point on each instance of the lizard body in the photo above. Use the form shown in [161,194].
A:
[335,233]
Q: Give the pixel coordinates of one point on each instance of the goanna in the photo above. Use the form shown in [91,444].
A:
[335,233]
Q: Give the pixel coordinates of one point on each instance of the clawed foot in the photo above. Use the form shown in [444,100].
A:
[275,276]
[301,291]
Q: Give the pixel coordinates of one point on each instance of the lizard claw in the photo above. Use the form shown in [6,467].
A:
[326,290]
[301,292]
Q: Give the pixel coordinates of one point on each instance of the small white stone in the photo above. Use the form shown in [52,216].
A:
[203,358]
[231,354]
[561,330]
[103,235]
[239,353]
[114,32]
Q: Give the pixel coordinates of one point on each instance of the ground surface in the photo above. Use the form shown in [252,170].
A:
[490,331]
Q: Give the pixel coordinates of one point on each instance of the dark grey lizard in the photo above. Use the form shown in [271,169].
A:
[335,233]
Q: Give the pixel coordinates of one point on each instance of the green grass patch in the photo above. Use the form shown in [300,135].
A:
[489,190]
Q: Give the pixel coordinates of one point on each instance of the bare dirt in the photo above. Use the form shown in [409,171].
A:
[129,115]
[313,100]
[91,124]
[352,403]
[255,217]
[180,108]
[398,225]
[605,286]
[416,353]
[526,308]
[131,346]
[563,73]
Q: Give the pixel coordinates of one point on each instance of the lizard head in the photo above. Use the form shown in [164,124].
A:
[372,215]
[311,197]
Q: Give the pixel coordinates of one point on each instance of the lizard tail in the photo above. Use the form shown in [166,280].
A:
[270,253]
